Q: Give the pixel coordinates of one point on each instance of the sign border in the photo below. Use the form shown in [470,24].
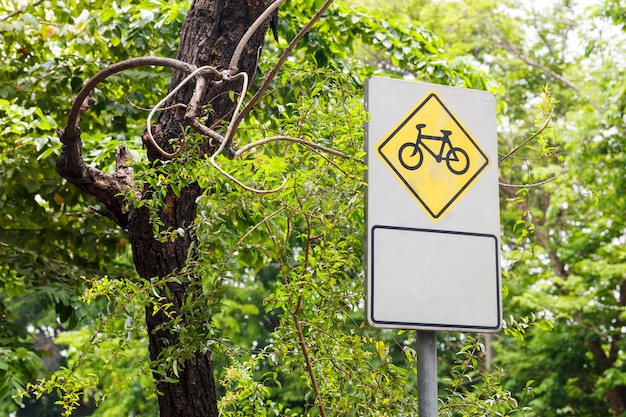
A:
[431,326]
[462,190]
[384,99]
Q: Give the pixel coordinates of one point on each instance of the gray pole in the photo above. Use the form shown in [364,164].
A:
[427,374]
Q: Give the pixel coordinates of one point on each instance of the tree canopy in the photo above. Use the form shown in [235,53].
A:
[274,281]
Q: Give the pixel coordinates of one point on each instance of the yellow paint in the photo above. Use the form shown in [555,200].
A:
[435,185]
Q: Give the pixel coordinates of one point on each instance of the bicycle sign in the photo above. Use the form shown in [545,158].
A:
[432,208]
[411,156]
[433,155]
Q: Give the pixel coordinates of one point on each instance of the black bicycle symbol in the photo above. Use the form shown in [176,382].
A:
[411,156]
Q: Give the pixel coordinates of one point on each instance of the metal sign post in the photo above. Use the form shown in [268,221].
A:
[427,374]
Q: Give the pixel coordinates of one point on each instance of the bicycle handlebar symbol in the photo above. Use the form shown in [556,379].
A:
[411,155]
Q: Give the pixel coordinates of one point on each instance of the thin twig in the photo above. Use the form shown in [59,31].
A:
[235,247]
[296,319]
[536,184]
[19,11]
[226,141]
[465,368]
[211,134]
[301,141]
[521,145]
[232,127]
[199,87]
[237,116]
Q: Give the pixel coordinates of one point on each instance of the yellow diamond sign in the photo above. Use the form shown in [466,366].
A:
[433,155]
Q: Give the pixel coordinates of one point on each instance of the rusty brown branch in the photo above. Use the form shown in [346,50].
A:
[71,128]
[109,189]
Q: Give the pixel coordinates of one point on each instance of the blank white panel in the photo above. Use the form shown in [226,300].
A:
[434,279]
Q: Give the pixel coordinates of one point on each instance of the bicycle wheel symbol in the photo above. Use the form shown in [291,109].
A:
[411,156]
[457,161]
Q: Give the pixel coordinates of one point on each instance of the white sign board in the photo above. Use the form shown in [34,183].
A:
[433,216]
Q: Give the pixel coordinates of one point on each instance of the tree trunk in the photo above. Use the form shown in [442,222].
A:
[195,393]
[209,36]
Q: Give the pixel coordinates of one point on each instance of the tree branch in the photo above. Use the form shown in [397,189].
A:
[296,319]
[536,184]
[19,11]
[71,128]
[547,71]
[270,75]
[110,189]
[191,110]
[234,61]
[533,136]
[301,141]
[72,167]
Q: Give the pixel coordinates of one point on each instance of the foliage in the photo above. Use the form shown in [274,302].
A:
[291,260]
[47,52]
[563,237]
[470,398]
[278,277]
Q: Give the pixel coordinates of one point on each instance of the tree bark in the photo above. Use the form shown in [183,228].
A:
[209,36]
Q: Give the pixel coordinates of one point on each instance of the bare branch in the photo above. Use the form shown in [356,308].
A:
[246,148]
[110,189]
[270,75]
[536,184]
[301,141]
[232,127]
[234,61]
[71,128]
[212,135]
[246,187]
[228,137]
[191,108]
[70,137]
